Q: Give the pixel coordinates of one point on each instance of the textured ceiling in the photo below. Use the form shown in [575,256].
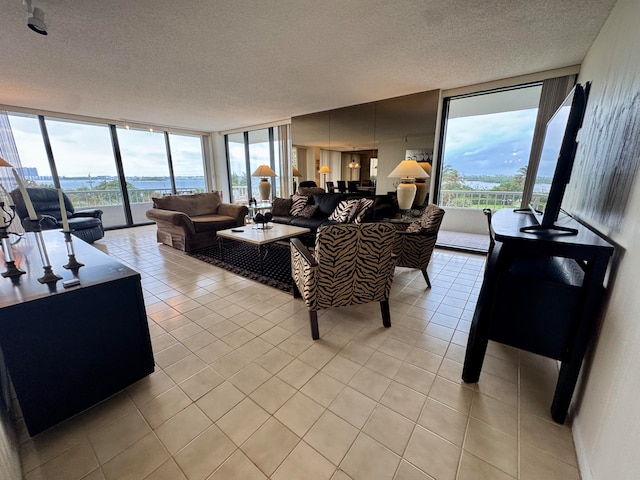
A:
[216,65]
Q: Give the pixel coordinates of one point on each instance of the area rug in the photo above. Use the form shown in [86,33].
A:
[242,258]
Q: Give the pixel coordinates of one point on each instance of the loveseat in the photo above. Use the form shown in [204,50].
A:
[190,222]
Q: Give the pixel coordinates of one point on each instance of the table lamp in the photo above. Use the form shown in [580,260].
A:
[264,186]
[295,173]
[407,171]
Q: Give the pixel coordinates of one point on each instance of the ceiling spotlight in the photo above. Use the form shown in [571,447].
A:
[36,21]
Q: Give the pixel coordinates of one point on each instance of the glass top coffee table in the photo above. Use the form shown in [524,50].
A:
[260,237]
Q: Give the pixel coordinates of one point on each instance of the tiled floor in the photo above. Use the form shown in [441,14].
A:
[241,391]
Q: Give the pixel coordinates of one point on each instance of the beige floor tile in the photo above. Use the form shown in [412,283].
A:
[415,378]
[259,326]
[238,337]
[220,400]
[171,355]
[270,445]
[493,446]
[250,378]
[389,428]
[395,348]
[341,368]
[549,437]
[536,464]
[272,394]
[498,414]
[304,463]
[370,383]
[340,475]
[357,352]
[73,464]
[201,383]
[384,364]
[275,335]
[150,387]
[112,439]
[107,412]
[353,406]
[275,360]
[322,389]
[231,363]
[424,359]
[299,413]
[472,468]
[318,354]
[505,369]
[499,388]
[450,424]
[432,344]
[296,344]
[238,466]
[138,461]
[452,394]
[98,475]
[242,420]
[296,373]
[186,331]
[185,368]
[169,470]
[181,429]
[369,460]
[432,454]
[406,471]
[403,400]
[205,453]
[214,351]
[331,436]
[165,406]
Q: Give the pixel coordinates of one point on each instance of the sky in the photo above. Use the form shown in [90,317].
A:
[85,149]
[497,143]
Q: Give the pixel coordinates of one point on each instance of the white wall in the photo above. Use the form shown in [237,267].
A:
[606,407]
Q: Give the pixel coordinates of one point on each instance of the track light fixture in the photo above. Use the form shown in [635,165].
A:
[36,21]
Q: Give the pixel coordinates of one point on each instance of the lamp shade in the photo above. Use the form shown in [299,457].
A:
[296,172]
[4,163]
[324,169]
[408,169]
[264,171]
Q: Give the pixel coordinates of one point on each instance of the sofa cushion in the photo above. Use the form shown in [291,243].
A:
[281,207]
[298,202]
[310,223]
[212,223]
[191,205]
[326,203]
[308,211]
[345,211]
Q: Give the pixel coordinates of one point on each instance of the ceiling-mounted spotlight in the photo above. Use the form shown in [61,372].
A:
[36,21]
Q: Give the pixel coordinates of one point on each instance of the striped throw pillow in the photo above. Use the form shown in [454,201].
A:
[298,202]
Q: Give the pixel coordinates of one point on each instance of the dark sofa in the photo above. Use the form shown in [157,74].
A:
[383,207]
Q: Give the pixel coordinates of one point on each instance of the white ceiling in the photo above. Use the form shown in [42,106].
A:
[214,65]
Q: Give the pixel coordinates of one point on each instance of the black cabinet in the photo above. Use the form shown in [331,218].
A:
[541,293]
[67,349]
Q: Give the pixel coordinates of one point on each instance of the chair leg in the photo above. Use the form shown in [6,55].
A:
[296,291]
[426,277]
[386,315]
[313,319]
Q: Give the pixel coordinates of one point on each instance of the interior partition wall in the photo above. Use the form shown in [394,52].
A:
[115,168]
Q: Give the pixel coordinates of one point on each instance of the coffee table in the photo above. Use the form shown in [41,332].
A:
[260,237]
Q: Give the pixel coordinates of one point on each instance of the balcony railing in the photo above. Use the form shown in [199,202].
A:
[486,199]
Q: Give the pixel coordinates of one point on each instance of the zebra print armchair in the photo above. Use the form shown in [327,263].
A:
[415,245]
[351,264]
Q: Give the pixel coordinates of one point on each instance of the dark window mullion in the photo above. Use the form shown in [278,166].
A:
[172,177]
[121,177]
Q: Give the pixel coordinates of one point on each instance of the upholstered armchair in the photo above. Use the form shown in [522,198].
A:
[351,264]
[84,224]
[415,245]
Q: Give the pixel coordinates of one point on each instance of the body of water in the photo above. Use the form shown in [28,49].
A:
[164,184]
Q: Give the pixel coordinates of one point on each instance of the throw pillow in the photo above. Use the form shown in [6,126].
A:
[431,218]
[308,211]
[298,202]
[363,206]
[344,212]
[414,227]
[281,207]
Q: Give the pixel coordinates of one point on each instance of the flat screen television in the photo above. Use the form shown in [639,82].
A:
[556,158]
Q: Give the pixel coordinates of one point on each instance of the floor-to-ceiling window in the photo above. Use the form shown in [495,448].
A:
[103,166]
[246,151]
[487,142]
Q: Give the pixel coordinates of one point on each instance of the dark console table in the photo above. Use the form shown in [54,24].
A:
[67,349]
[541,293]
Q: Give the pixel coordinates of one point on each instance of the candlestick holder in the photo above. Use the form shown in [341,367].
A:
[49,277]
[73,263]
[9,260]
[10,214]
